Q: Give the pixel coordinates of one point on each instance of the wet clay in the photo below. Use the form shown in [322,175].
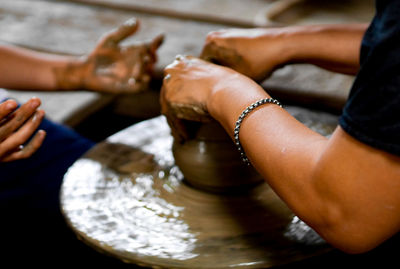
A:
[209,160]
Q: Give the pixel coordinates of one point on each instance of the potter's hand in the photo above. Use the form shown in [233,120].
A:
[255,53]
[17,126]
[112,68]
[258,52]
[184,93]
[187,90]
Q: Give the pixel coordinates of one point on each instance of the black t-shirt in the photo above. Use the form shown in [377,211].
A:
[372,113]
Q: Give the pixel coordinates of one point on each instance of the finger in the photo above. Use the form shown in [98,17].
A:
[22,135]
[175,124]
[183,61]
[135,85]
[29,149]
[211,52]
[173,70]
[19,117]
[156,43]
[209,47]
[178,128]
[7,107]
[207,53]
[152,51]
[112,38]
[178,63]
[163,99]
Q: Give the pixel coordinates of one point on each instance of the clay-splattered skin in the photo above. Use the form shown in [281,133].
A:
[255,53]
[174,100]
[110,67]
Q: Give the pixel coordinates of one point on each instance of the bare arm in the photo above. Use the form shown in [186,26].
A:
[334,47]
[108,68]
[346,190]
[258,52]
[30,70]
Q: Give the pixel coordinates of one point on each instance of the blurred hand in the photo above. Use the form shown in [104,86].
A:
[112,68]
[255,53]
[17,125]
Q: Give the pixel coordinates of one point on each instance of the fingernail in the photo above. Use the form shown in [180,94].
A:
[178,57]
[132,81]
[42,132]
[130,22]
[11,105]
[35,102]
[38,115]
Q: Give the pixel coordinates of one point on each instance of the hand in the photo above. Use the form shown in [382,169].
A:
[255,53]
[17,126]
[187,90]
[112,68]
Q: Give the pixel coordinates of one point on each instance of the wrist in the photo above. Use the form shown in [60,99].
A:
[291,43]
[227,102]
[271,48]
[70,76]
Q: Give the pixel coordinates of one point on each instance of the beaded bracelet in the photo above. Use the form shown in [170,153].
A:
[240,119]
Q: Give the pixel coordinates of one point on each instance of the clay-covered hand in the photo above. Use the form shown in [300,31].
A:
[17,125]
[187,87]
[111,67]
[255,53]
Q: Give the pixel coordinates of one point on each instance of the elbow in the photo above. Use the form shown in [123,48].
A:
[347,232]
[341,223]
[350,242]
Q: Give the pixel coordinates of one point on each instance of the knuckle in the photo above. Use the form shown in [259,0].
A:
[19,141]
[27,151]
[213,35]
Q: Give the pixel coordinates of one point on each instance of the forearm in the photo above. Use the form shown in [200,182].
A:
[24,69]
[333,47]
[282,149]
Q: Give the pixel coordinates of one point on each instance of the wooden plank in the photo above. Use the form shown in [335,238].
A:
[229,12]
[251,13]
[317,12]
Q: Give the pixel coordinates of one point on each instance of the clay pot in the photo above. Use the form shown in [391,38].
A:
[210,161]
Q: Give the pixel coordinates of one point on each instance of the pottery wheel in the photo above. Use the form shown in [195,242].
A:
[126,198]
